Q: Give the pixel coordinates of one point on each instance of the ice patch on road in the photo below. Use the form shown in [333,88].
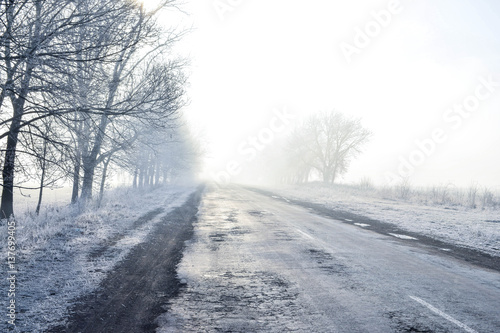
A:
[403,236]
[304,234]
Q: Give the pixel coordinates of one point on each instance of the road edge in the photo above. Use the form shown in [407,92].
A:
[469,255]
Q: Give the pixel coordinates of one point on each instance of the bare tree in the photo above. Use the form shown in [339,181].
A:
[43,153]
[151,97]
[37,43]
[327,143]
[88,65]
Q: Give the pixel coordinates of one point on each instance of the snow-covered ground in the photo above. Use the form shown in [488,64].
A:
[477,228]
[56,258]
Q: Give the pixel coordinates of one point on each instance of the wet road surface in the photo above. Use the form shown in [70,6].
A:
[257,264]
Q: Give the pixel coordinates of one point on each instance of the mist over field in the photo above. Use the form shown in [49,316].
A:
[422,76]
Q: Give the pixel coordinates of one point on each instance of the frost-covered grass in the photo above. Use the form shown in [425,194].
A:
[473,196]
[53,250]
[443,213]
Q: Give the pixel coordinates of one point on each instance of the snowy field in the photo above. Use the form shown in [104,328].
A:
[63,254]
[450,221]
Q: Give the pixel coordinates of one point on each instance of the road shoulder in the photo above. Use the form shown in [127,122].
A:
[132,296]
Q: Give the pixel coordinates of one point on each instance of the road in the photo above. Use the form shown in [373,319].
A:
[258,264]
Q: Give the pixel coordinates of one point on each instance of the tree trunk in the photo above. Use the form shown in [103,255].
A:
[42,179]
[334,173]
[165,175]
[157,175]
[326,177]
[145,177]
[40,194]
[78,163]
[141,177]
[103,179]
[88,180]
[151,174]
[134,183]
[76,182]
[90,161]
[7,203]
[148,174]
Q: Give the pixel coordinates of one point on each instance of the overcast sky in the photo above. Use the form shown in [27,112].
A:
[401,66]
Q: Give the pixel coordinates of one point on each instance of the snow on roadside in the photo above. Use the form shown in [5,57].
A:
[473,228]
[53,256]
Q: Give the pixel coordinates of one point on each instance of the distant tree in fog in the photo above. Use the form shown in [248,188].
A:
[299,161]
[325,143]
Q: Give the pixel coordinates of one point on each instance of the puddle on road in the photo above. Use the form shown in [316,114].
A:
[319,255]
[239,231]
[217,237]
[256,213]
[283,236]
[407,322]
[231,218]
[327,262]
[225,226]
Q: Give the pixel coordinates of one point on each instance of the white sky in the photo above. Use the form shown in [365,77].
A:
[260,55]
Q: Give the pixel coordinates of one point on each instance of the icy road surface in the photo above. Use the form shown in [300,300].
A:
[257,264]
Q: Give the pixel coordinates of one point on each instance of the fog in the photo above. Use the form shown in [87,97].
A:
[403,79]
[367,129]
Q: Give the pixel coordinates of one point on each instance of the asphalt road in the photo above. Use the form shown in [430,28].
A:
[258,264]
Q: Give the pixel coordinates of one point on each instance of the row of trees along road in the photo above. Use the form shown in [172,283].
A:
[86,85]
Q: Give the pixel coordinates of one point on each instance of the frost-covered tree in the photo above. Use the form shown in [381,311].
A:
[37,49]
[44,156]
[162,156]
[94,68]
